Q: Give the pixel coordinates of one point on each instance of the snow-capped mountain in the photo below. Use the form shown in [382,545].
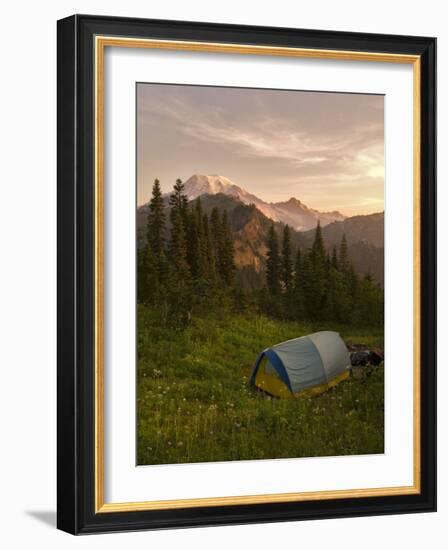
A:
[200,184]
[293,212]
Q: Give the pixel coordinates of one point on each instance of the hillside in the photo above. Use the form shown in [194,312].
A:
[233,422]
[365,238]
[364,234]
[368,229]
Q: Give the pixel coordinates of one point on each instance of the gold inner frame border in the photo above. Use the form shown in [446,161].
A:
[100,44]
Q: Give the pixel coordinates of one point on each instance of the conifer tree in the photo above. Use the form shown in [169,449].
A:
[306,285]
[215,226]
[227,251]
[370,303]
[327,266]
[334,297]
[162,268]
[352,281]
[192,243]
[209,257]
[318,248]
[273,266]
[147,276]
[343,255]
[178,293]
[317,288]
[216,235]
[347,293]
[202,245]
[178,248]
[334,259]
[156,220]
[286,261]
[297,298]
[179,202]
[198,209]
[298,269]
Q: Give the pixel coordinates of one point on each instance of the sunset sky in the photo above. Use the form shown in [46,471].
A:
[326,149]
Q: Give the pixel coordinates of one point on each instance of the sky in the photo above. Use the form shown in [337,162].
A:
[325,149]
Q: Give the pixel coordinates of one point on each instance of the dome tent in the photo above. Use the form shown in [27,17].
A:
[310,364]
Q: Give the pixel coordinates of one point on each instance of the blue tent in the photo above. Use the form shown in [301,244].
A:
[312,363]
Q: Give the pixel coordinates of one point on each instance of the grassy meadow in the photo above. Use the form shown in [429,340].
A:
[195,403]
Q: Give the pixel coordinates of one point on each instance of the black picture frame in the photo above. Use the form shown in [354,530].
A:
[76,302]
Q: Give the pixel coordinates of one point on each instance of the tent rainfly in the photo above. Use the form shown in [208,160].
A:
[311,364]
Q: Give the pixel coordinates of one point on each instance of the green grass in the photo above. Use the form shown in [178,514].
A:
[195,403]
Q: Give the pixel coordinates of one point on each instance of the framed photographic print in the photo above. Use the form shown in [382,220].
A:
[246,274]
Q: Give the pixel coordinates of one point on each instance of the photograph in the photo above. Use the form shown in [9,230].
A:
[259,273]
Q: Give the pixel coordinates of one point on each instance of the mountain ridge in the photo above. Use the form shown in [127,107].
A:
[293,211]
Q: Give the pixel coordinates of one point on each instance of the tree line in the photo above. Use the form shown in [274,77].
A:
[187,260]
[318,284]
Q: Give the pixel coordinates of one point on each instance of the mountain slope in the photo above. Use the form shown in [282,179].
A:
[365,240]
[250,228]
[293,212]
[200,184]
[368,229]
[300,217]
[365,237]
